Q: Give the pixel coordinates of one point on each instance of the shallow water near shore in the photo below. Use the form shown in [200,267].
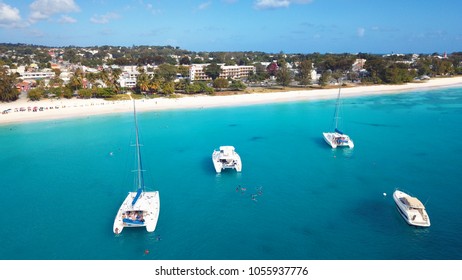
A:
[62,182]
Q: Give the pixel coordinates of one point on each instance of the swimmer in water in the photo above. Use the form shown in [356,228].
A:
[259,190]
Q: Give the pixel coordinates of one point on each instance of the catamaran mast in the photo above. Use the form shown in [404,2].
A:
[140,179]
[337,106]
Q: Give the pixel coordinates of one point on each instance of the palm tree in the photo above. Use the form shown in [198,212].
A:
[105,77]
[142,82]
[115,73]
[76,81]
[91,77]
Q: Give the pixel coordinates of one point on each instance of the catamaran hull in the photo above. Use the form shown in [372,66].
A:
[219,166]
[147,209]
[330,138]
[236,163]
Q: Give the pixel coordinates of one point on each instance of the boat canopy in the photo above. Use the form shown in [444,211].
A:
[138,193]
[227,150]
[413,202]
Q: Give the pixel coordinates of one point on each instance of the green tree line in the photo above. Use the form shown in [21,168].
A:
[284,69]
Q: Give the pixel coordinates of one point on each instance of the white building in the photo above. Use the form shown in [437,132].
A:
[37,75]
[130,74]
[197,72]
[358,65]
[128,79]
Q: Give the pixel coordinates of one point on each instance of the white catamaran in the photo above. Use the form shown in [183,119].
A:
[337,138]
[226,157]
[140,208]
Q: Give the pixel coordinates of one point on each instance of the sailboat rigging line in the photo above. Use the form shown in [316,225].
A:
[140,181]
[337,108]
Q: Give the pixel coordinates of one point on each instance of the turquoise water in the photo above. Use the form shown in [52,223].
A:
[63,181]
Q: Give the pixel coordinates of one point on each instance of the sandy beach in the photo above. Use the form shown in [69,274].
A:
[73,108]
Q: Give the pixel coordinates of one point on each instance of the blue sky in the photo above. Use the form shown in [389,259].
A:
[290,26]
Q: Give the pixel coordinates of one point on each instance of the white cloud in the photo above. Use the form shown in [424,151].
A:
[44,9]
[67,19]
[104,19]
[268,4]
[361,32]
[384,29]
[274,4]
[153,10]
[9,16]
[204,5]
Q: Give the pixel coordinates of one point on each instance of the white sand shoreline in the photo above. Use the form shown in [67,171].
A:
[75,108]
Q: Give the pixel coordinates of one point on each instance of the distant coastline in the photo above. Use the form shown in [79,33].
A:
[75,108]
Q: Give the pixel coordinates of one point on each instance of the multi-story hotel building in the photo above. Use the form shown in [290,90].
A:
[197,72]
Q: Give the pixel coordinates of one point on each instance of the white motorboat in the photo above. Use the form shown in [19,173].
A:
[411,209]
[337,138]
[140,208]
[226,157]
